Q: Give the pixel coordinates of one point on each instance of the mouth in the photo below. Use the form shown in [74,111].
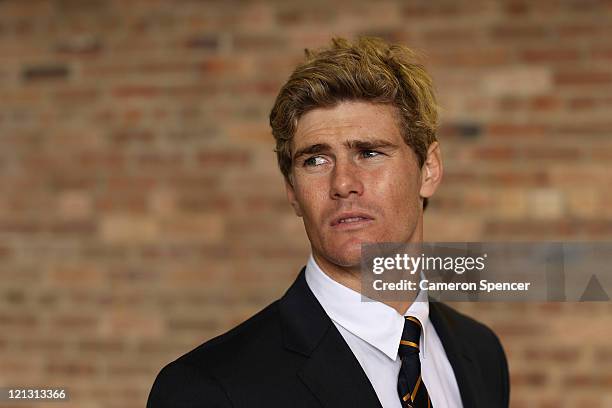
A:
[347,220]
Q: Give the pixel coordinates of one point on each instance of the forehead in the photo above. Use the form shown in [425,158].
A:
[354,119]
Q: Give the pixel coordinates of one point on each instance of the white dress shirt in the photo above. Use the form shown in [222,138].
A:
[373,331]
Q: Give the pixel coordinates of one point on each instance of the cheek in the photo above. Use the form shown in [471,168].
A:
[401,201]
[400,189]
[311,198]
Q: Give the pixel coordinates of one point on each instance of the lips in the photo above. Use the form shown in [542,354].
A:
[350,218]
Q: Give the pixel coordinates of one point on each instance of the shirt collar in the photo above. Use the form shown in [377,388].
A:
[374,322]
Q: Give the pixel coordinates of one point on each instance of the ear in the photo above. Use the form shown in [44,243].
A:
[431,172]
[292,198]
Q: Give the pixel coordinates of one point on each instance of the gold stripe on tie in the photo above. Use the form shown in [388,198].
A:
[409,343]
[405,397]
[415,320]
[416,389]
[428,402]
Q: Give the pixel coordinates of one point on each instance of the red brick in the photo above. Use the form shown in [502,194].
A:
[77,95]
[451,35]
[516,130]
[544,103]
[305,16]
[516,8]
[529,378]
[155,161]
[565,355]
[180,326]
[222,66]
[25,366]
[20,227]
[215,159]
[18,321]
[550,55]
[81,369]
[551,402]
[518,329]
[565,154]
[78,228]
[449,10]
[132,136]
[471,57]
[100,159]
[603,355]
[590,128]
[205,203]
[601,153]
[519,32]
[136,91]
[74,322]
[76,275]
[601,52]
[122,323]
[495,153]
[584,78]
[42,345]
[583,103]
[573,30]
[582,380]
[208,42]
[104,346]
[129,370]
[5,252]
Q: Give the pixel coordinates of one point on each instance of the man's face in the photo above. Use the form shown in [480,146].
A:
[354,180]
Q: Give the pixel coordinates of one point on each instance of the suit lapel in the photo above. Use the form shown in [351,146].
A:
[331,371]
[466,371]
[335,376]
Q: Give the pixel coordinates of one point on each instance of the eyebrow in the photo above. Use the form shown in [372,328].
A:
[369,144]
[312,149]
[350,144]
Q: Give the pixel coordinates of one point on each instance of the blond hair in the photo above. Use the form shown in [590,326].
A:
[369,70]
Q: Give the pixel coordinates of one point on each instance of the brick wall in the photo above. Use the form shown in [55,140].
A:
[142,211]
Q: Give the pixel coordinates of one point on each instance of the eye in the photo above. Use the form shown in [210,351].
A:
[370,153]
[314,161]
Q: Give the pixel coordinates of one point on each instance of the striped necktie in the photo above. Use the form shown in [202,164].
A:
[410,386]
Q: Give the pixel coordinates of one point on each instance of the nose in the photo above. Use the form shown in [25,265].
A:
[345,180]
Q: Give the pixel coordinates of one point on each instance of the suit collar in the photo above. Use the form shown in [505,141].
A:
[331,371]
[303,318]
[374,322]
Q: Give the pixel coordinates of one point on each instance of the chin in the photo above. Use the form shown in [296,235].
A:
[346,256]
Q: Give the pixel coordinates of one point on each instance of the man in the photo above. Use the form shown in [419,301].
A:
[355,140]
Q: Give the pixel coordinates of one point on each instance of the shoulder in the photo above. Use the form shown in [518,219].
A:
[262,331]
[482,346]
[472,333]
[200,374]
[180,385]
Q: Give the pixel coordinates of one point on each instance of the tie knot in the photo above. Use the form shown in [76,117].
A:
[410,336]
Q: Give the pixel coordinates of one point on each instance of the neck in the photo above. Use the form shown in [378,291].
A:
[351,278]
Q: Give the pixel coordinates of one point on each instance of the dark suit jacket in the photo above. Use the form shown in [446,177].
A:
[292,355]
